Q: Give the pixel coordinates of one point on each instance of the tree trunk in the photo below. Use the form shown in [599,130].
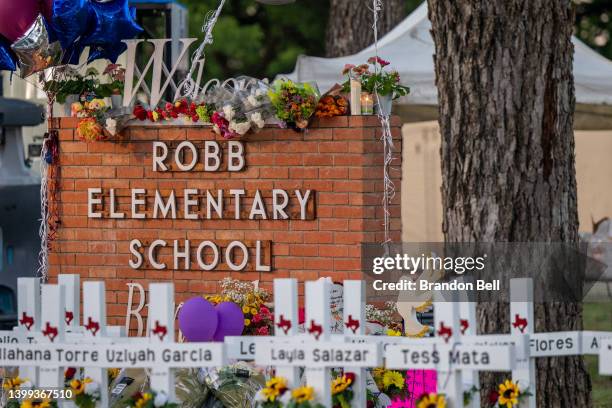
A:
[506,102]
[349,29]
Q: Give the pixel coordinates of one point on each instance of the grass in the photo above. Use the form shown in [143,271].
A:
[598,316]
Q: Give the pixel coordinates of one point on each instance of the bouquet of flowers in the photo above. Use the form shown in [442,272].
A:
[183,108]
[85,392]
[431,400]
[342,390]
[390,382]
[508,395]
[241,106]
[258,318]
[293,102]
[93,120]
[276,394]
[332,105]
[374,77]
[150,400]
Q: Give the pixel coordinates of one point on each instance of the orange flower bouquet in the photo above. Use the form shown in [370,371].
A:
[332,105]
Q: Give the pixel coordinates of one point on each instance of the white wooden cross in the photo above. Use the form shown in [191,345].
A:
[354,325]
[316,350]
[28,317]
[161,331]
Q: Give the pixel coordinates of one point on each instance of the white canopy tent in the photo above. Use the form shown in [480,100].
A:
[410,49]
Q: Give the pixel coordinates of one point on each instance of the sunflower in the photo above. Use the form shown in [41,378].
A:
[393,379]
[340,384]
[142,401]
[113,373]
[28,403]
[394,333]
[78,386]
[247,322]
[246,309]
[13,383]
[431,401]
[302,394]
[277,383]
[508,394]
[270,393]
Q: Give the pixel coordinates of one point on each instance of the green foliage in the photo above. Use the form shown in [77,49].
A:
[259,40]
[294,103]
[594,24]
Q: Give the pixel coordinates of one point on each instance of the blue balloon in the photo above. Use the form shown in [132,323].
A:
[8,61]
[113,21]
[72,54]
[71,20]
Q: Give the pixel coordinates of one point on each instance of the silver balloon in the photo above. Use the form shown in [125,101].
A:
[34,50]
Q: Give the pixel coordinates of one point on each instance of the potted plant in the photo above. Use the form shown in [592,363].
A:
[375,79]
[70,86]
[114,88]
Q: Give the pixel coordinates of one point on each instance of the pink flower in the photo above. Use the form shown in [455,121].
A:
[347,68]
[378,60]
[263,331]
[110,68]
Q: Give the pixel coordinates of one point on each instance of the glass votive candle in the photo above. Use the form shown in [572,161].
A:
[367,103]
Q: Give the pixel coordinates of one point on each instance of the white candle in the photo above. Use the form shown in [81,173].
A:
[367,104]
[355,97]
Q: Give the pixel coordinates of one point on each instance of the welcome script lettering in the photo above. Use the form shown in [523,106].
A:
[200,205]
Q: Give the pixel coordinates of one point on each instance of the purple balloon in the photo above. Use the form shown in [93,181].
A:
[16,17]
[198,320]
[231,320]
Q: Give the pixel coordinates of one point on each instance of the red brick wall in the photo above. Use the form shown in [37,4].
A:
[339,158]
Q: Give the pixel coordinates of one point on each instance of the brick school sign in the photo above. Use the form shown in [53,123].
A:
[178,203]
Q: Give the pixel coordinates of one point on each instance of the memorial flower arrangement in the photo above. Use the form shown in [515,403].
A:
[242,106]
[150,400]
[294,103]
[253,300]
[390,382]
[93,120]
[184,108]
[35,403]
[332,105]
[431,400]
[113,373]
[508,395]
[85,392]
[17,383]
[374,76]
[342,390]
[276,394]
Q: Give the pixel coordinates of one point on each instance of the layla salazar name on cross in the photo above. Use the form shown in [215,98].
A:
[200,205]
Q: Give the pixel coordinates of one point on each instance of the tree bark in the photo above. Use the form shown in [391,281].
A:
[349,29]
[506,101]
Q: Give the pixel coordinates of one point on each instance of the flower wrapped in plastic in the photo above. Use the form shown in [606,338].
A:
[241,105]
[294,102]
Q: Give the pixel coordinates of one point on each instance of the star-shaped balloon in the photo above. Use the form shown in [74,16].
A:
[113,21]
[71,20]
[7,58]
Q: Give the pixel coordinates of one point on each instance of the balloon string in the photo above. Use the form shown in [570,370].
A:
[189,86]
[386,137]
